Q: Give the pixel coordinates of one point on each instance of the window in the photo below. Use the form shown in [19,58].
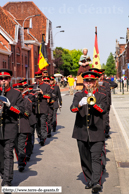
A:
[4,64]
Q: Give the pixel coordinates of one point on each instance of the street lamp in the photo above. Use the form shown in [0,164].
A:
[57,33]
[23,26]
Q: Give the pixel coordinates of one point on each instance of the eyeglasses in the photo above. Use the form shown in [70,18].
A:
[5,78]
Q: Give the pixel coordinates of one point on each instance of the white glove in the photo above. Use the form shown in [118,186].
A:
[60,106]
[83,101]
[7,103]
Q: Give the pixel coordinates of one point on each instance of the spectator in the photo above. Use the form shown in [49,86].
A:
[71,84]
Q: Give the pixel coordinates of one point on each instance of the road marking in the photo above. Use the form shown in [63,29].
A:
[121,126]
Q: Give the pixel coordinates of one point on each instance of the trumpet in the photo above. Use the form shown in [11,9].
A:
[91,100]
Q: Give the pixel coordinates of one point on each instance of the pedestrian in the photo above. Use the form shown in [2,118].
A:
[89,129]
[13,106]
[71,84]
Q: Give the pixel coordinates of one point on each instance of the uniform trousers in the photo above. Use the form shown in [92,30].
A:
[54,121]
[7,147]
[50,119]
[90,155]
[1,160]
[41,126]
[20,147]
[30,141]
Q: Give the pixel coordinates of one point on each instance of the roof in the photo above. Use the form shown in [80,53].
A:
[7,23]
[4,49]
[21,10]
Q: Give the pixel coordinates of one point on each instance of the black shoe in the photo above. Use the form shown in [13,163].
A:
[49,135]
[41,142]
[54,129]
[96,188]
[88,185]
[21,168]
[5,184]
[27,158]
[107,135]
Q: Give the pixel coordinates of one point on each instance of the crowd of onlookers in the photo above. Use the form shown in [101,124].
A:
[68,81]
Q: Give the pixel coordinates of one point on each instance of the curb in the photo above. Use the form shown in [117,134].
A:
[121,126]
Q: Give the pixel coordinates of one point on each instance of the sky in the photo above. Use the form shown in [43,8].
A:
[79,18]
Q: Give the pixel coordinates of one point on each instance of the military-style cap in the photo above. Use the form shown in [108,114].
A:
[24,82]
[89,75]
[5,73]
[38,74]
[96,70]
[45,70]
[46,78]
[52,77]
[19,86]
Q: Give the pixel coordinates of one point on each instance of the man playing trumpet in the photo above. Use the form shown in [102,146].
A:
[89,129]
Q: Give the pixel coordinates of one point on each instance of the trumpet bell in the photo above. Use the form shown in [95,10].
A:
[91,100]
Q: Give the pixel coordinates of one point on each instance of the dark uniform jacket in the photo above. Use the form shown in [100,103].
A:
[10,115]
[111,83]
[41,102]
[32,116]
[89,125]
[57,96]
[24,118]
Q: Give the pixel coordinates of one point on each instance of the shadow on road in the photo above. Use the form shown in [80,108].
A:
[22,176]
[81,177]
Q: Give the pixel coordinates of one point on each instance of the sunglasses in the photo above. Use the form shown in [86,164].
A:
[5,78]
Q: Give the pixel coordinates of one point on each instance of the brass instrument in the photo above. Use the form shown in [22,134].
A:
[91,100]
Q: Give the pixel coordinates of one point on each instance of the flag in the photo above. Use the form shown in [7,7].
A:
[96,59]
[42,56]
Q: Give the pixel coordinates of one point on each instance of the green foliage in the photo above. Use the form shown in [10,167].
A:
[110,68]
[66,60]
[103,66]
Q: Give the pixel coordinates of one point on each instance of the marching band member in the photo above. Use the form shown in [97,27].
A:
[27,93]
[42,106]
[108,88]
[89,129]
[13,106]
[24,130]
[58,100]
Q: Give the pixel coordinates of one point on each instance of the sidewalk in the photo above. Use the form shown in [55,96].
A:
[120,136]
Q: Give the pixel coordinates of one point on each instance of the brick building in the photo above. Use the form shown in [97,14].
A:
[122,56]
[19,48]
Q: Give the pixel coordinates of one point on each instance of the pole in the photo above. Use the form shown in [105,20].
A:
[127,84]
[120,85]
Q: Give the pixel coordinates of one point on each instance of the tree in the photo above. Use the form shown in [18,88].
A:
[110,68]
[58,59]
[75,54]
[103,66]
